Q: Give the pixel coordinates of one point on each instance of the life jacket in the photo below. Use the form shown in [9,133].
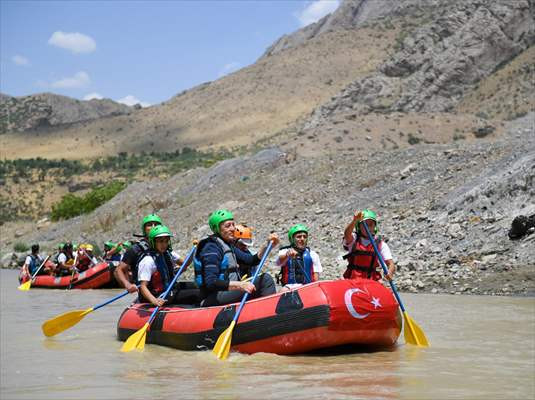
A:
[141,249]
[162,277]
[299,269]
[362,261]
[69,258]
[228,268]
[83,262]
[35,262]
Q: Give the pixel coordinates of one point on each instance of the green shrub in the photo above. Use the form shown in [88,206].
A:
[413,139]
[70,205]
[20,247]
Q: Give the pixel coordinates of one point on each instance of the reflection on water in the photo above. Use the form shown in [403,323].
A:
[481,348]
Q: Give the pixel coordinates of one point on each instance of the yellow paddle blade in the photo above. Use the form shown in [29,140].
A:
[413,333]
[25,286]
[222,346]
[64,321]
[136,340]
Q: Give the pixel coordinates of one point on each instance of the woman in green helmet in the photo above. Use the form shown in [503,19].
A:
[299,265]
[217,262]
[156,268]
[362,260]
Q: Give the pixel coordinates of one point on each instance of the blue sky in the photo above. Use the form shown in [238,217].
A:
[132,51]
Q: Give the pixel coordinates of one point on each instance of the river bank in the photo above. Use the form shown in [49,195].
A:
[444,209]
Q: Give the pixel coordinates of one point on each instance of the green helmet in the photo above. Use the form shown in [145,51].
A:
[127,244]
[295,229]
[158,231]
[109,245]
[217,217]
[61,245]
[369,214]
[149,218]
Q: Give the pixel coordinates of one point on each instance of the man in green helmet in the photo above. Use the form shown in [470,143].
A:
[299,265]
[217,262]
[113,251]
[129,263]
[362,260]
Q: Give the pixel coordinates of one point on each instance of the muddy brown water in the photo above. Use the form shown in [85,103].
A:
[481,348]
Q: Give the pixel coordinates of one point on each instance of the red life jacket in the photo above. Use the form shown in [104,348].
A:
[164,264]
[83,262]
[362,261]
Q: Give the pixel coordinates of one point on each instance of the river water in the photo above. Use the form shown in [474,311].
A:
[481,348]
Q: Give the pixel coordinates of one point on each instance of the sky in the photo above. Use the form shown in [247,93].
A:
[138,51]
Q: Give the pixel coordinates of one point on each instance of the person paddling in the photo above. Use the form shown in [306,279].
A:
[129,263]
[216,264]
[156,268]
[362,260]
[85,259]
[112,251]
[244,239]
[65,260]
[32,262]
[299,265]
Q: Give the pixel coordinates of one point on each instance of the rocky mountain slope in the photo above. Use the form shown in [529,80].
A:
[244,107]
[48,110]
[438,63]
[420,109]
[354,14]
[445,209]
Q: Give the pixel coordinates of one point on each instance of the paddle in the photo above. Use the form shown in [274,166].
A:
[74,270]
[222,346]
[66,320]
[26,285]
[138,338]
[412,332]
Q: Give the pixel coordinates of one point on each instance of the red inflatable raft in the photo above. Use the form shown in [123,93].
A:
[99,276]
[316,316]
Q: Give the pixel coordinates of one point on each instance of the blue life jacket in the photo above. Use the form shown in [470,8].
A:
[114,257]
[35,262]
[299,269]
[228,265]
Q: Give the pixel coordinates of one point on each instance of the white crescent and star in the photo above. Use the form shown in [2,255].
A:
[349,304]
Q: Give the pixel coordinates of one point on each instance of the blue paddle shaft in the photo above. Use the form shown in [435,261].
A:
[244,299]
[111,300]
[164,295]
[385,270]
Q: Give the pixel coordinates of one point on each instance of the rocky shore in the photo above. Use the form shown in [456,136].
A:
[445,209]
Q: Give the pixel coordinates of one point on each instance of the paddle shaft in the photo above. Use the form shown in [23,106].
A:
[164,294]
[244,299]
[385,270]
[111,300]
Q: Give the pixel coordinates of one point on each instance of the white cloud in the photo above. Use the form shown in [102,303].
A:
[228,68]
[131,100]
[79,80]
[316,10]
[92,96]
[20,60]
[73,41]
